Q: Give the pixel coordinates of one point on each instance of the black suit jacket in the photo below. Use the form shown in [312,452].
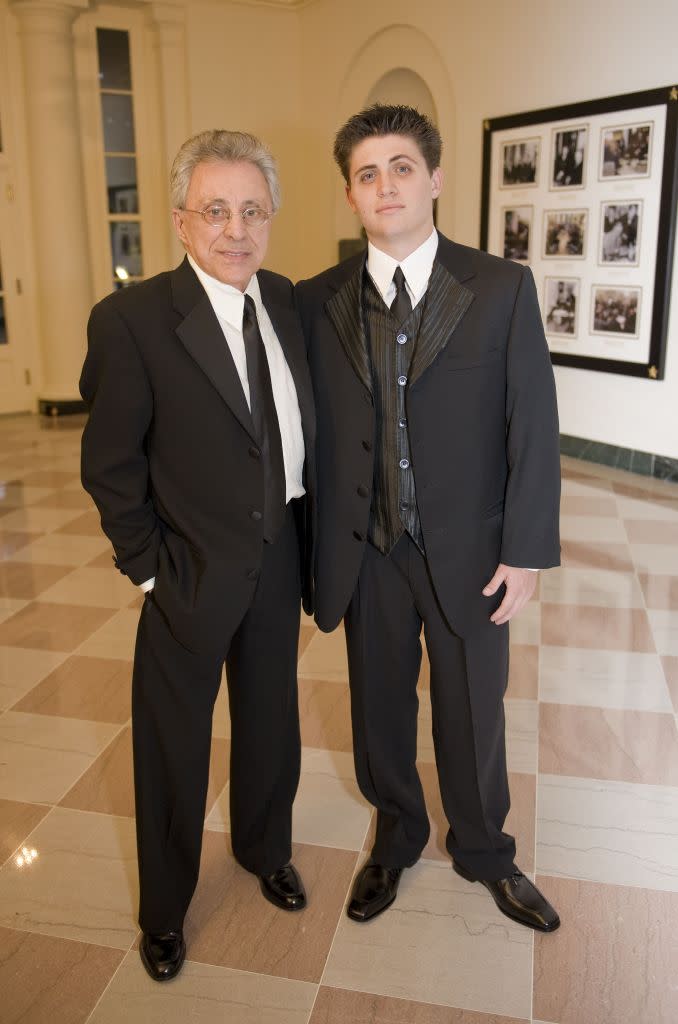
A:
[482,419]
[169,453]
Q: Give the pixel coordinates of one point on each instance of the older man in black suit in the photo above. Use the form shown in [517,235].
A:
[200,413]
[438,490]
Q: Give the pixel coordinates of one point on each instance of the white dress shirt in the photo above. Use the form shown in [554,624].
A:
[228,304]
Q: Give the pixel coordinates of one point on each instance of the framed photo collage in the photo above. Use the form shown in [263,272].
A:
[586,196]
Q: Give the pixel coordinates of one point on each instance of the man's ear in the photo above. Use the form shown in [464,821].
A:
[436,183]
[349,198]
[178,221]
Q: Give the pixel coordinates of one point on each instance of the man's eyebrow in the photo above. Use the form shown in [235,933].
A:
[393,159]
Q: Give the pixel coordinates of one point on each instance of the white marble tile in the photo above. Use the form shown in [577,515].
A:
[329,809]
[10,605]
[62,549]
[82,884]
[591,587]
[522,717]
[526,627]
[664,626]
[604,679]
[41,756]
[619,833]
[115,639]
[325,657]
[202,994]
[21,669]
[591,528]
[635,508]
[97,588]
[655,558]
[434,945]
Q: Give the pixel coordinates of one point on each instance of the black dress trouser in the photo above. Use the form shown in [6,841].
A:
[173,695]
[393,597]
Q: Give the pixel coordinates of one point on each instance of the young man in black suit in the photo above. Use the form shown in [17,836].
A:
[200,415]
[438,490]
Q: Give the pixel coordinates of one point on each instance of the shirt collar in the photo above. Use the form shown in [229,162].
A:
[227,302]
[416,267]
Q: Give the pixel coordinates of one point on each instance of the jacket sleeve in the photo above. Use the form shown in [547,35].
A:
[115,387]
[530,534]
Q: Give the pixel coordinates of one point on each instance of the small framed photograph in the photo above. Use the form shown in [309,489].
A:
[565,234]
[620,234]
[520,164]
[517,232]
[569,157]
[615,312]
[625,151]
[561,306]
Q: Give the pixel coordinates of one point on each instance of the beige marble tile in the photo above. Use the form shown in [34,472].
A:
[230,924]
[88,524]
[613,832]
[115,639]
[13,540]
[325,657]
[568,625]
[14,494]
[605,679]
[325,714]
[526,626]
[647,488]
[63,498]
[664,626]
[660,592]
[102,588]
[591,587]
[523,672]
[434,945]
[27,580]
[17,821]
[10,605]
[338,1006]
[587,505]
[22,669]
[655,558]
[204,995]
[521,735]
[614,959]
[51,627]
[306,634]
[41,756]
[651,531]
[33,518]
[588,485]
[608,743]
[576,554]
[45,980]
[60,549]
[670,666]
[49,478]
[591,529]
[221,717]
[95,689]
[104,560]
[646,508]
[82,884]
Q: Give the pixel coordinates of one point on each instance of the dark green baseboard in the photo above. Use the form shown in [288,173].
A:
[644,463]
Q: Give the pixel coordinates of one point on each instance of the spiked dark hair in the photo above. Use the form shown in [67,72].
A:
[387,119]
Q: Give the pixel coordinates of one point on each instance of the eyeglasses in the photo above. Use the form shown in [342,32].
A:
[218,215]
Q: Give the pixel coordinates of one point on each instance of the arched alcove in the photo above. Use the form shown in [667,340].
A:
[399,64]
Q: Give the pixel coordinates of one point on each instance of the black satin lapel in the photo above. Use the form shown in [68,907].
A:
[204,340]
[447,302]
[345,311]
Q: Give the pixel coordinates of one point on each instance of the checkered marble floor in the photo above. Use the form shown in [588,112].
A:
[593,756]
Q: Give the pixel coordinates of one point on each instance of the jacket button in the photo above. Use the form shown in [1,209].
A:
[255,514]
[367,445]
[252,574]
[254,452]
[363,491]
[358,535]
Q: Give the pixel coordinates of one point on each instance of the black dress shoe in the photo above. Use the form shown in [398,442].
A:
[163,955]
[375,889]
[284,888]
[519,899]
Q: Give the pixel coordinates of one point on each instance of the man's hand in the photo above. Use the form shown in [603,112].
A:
[520,584]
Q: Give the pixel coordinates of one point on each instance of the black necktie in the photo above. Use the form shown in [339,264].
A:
[401,307]
[265,418]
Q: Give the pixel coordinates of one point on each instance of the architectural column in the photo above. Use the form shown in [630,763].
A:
[169,19]
[64,286]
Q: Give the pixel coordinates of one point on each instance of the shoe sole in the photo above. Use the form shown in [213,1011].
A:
[160,977]
[513,917]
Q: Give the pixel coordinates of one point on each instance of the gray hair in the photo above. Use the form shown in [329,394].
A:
[217,144]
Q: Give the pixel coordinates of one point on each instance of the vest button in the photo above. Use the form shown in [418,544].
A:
[402,422]
[402,380]
[358,535]
[404,463]
[367,445]
[402,339]
[254,452]
[256,515]
[363,491]
[404,505]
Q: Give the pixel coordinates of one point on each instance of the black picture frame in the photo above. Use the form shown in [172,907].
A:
[660,181]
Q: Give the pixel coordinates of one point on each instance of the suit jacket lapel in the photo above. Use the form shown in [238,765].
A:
[203,338]
[346,314]
[446,303]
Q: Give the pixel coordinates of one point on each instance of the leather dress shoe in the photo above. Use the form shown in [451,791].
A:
[375,889]
[284,888]
[163,955]
[519,899]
